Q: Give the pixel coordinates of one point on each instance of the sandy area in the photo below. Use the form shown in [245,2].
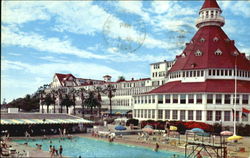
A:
[150,143]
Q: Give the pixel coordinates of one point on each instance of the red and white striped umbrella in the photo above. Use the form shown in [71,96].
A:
[226,133]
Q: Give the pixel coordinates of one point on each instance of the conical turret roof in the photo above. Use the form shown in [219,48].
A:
[210,48]
[210,4]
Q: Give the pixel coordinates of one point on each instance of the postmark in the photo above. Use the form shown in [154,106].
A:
[125,33]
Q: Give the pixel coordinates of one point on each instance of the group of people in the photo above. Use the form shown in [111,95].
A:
[54,152]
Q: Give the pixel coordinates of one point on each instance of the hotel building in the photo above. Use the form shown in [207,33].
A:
[199,85]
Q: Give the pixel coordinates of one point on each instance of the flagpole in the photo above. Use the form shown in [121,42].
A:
[235,95]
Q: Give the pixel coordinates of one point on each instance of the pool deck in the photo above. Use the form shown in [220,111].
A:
[133,140]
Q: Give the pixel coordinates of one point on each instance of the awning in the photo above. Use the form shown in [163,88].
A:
[43,121]
[118,111]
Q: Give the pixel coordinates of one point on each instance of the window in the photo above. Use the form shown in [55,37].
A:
[167,98]
[135,113]
[160,114]
[244,99]
[175,98]
[153,114]
[237,99]
[149,100]
[153,101]
[227,98]
[190,98]
[218,52]
[215,39]
[218,99]
[217,115]
[190,115]
[141,113]
[222,72]
[226,72]
[199,98]
[202,40]
[209,72]
[145,113]
[167,114]
[149,113]
[182,115]
[209,115]
[160,99]
[198,53]
[210,98]
[198,114]
[227,115]
[183,99]
[138,114]
[175,114]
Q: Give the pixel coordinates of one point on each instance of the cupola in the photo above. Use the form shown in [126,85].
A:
[210,14]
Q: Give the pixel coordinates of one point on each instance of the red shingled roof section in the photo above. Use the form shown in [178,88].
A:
[208,47]
[62,76]
[210,4]
[218,86]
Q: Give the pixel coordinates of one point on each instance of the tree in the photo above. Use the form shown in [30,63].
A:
[91,101]
[99,90]
[121,78]
[48,100]
[54,94]
[81,92]
[41,93]
[109,91]
[66,101]
[27,103]
[73,93]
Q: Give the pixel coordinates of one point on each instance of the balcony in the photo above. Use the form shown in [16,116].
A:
[218,19]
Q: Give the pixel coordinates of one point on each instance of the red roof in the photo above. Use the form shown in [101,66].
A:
[208,39]
[63,77]
[210,4]
[219,86]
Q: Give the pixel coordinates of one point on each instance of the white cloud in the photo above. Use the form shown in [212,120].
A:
[236,7]
[16,12]
[41,43]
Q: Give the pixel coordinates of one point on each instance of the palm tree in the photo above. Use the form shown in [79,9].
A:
[54,94]
[121,78]
[73,93]
[59,93]
[99,90]
[91,101]
[41,93]
[81,92]
[48,100]
[109,91]
[67,101]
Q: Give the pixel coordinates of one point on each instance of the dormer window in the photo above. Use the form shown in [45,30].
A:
[183,54]
[202,39]
[235,53]
[191,42]
[216,39]
[218,52]
[198,53]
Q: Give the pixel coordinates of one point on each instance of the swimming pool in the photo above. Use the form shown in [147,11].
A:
[87,147]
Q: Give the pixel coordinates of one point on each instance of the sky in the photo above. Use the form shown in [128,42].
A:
[91,39]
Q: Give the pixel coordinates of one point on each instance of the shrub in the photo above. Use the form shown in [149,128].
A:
[135,122]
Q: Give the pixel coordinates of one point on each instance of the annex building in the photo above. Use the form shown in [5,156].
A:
[203,83]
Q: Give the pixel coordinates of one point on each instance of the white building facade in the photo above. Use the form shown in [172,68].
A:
[198,85]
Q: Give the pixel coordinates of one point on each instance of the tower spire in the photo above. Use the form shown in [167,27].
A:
[210,14]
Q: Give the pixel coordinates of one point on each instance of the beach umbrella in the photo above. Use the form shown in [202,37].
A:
[148,126]
[120,127]
[148,130]
[205,134]
[197,130]
[226,133]
[173,128]
[234,138]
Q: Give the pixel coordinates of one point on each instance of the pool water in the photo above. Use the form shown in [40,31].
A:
[87,147]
